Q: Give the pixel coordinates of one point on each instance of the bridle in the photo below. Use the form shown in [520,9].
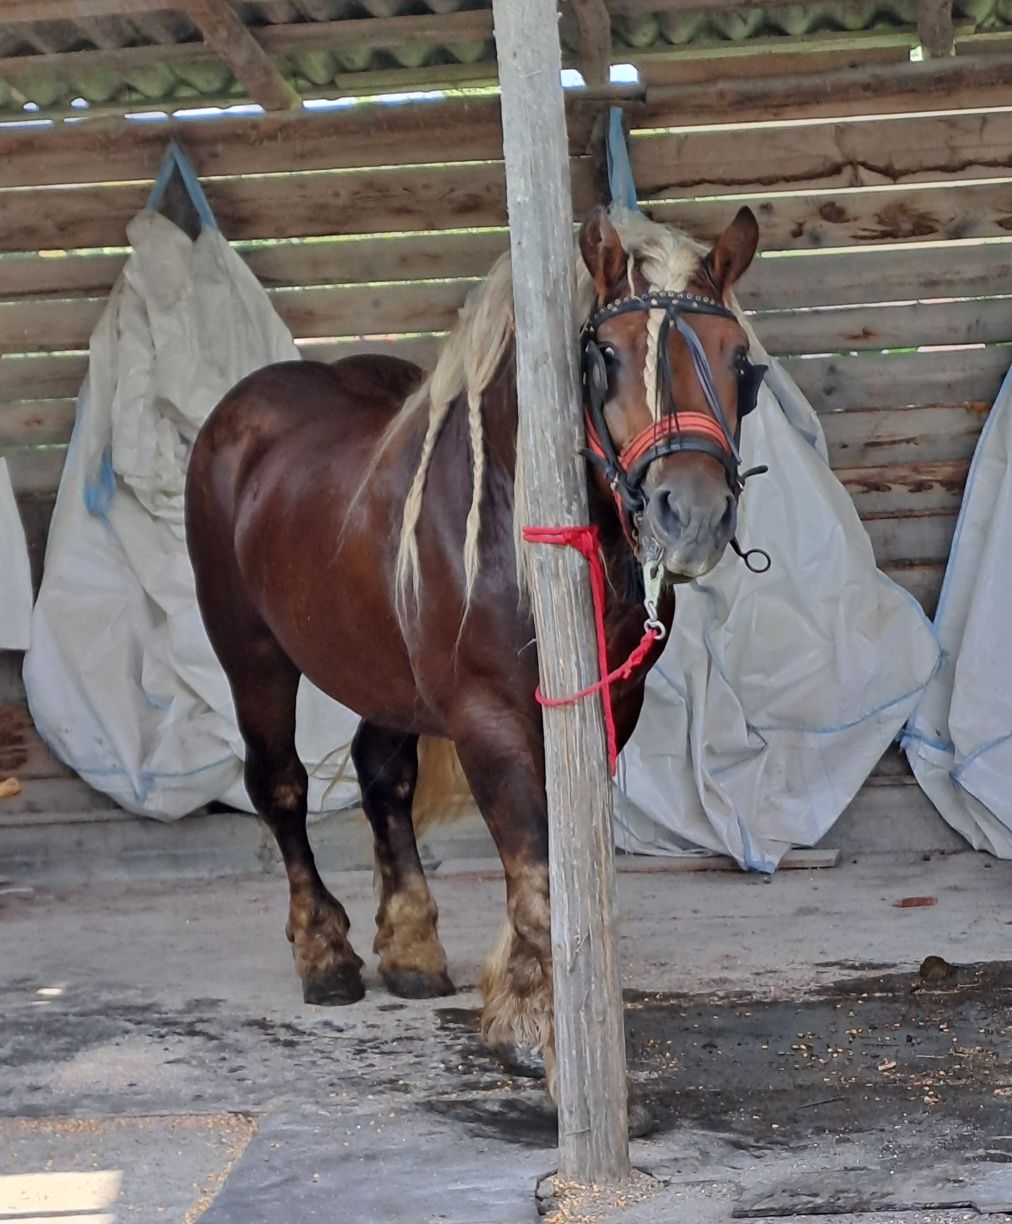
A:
[675,430]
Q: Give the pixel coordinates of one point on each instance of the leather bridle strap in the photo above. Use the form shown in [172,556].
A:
[673,426]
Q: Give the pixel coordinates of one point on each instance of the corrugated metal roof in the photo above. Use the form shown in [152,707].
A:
[330,47]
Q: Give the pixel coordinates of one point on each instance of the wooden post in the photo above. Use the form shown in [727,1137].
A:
[590,1042]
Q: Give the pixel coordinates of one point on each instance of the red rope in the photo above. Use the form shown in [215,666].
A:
[587,542]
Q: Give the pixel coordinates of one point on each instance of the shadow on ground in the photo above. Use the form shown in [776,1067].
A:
[879,1053]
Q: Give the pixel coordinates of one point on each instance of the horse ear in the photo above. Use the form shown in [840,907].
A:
[733,251]
[603,254]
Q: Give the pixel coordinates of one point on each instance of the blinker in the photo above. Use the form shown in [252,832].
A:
[596,371]
[749,382]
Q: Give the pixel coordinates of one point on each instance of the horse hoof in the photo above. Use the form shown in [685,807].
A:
[413,984]
[520,1059]
[334,990]
[641,1120]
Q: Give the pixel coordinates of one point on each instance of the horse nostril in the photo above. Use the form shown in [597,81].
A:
[727,521]
[668,517]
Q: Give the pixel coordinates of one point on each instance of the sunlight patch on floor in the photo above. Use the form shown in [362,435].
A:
[60,1198]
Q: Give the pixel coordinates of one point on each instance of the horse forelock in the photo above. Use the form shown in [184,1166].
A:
[473,354]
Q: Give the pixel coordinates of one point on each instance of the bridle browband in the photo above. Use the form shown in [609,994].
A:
[674,431]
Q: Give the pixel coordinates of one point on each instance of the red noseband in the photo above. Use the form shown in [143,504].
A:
[697,424]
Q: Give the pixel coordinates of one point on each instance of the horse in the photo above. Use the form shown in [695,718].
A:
[357,523]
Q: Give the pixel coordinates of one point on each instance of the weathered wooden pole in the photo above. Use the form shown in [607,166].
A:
[590,1041]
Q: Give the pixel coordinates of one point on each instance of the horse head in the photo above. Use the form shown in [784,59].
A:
[667,381]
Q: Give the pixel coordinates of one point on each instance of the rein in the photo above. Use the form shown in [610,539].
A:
[587,542]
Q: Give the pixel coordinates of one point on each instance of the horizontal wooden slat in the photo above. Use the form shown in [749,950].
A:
[358,310]
[43,377]
[422,350]
[813,220]
[844,218]
[366,135]
[40,325]
[908,487]
[31,275]
[365,310]
[35,469]
[912,539]
[281,265]
[874,436]
[847,277]
[895,380]
[862,275]
[658,69]
[796,90]
[275,206]
[54,377]
[927,148]
[923,582]
[35,422]
[879,327]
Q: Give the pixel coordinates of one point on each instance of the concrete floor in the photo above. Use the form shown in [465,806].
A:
[157,1063]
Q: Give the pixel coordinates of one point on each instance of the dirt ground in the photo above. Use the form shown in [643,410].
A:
[157,1063]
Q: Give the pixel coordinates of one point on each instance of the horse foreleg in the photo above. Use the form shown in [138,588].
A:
[507,779]
[412,959]
[517,1020]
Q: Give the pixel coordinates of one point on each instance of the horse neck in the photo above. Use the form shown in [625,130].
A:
[501,421]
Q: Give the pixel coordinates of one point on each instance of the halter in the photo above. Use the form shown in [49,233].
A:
[676,431]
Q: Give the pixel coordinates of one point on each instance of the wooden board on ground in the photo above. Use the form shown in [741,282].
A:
[642,864]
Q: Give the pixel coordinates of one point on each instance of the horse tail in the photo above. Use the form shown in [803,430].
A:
[442,794]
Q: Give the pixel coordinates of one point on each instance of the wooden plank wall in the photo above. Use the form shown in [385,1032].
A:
[884,280]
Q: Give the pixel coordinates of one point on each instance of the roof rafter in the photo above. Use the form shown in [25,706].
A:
[935,28]
[225,32]
[595,40]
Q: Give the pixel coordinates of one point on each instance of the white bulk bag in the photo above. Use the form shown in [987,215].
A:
[777,692]
[121,678]
[959,740]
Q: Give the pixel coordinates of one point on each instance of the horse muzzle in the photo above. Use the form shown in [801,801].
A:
[687,525]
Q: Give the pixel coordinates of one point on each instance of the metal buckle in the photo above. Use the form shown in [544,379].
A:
[653,569]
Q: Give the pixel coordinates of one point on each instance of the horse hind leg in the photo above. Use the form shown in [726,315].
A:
[265,684]
[412,959]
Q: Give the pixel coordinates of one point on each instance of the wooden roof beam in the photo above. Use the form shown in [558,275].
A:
[227,35]
[76,10]
[935,28]
[594,60]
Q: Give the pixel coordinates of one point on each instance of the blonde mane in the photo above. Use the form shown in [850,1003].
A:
[474,350]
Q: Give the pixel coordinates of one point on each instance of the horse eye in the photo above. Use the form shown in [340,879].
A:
[609,354]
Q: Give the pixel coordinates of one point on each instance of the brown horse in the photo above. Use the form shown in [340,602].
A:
[355,523]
